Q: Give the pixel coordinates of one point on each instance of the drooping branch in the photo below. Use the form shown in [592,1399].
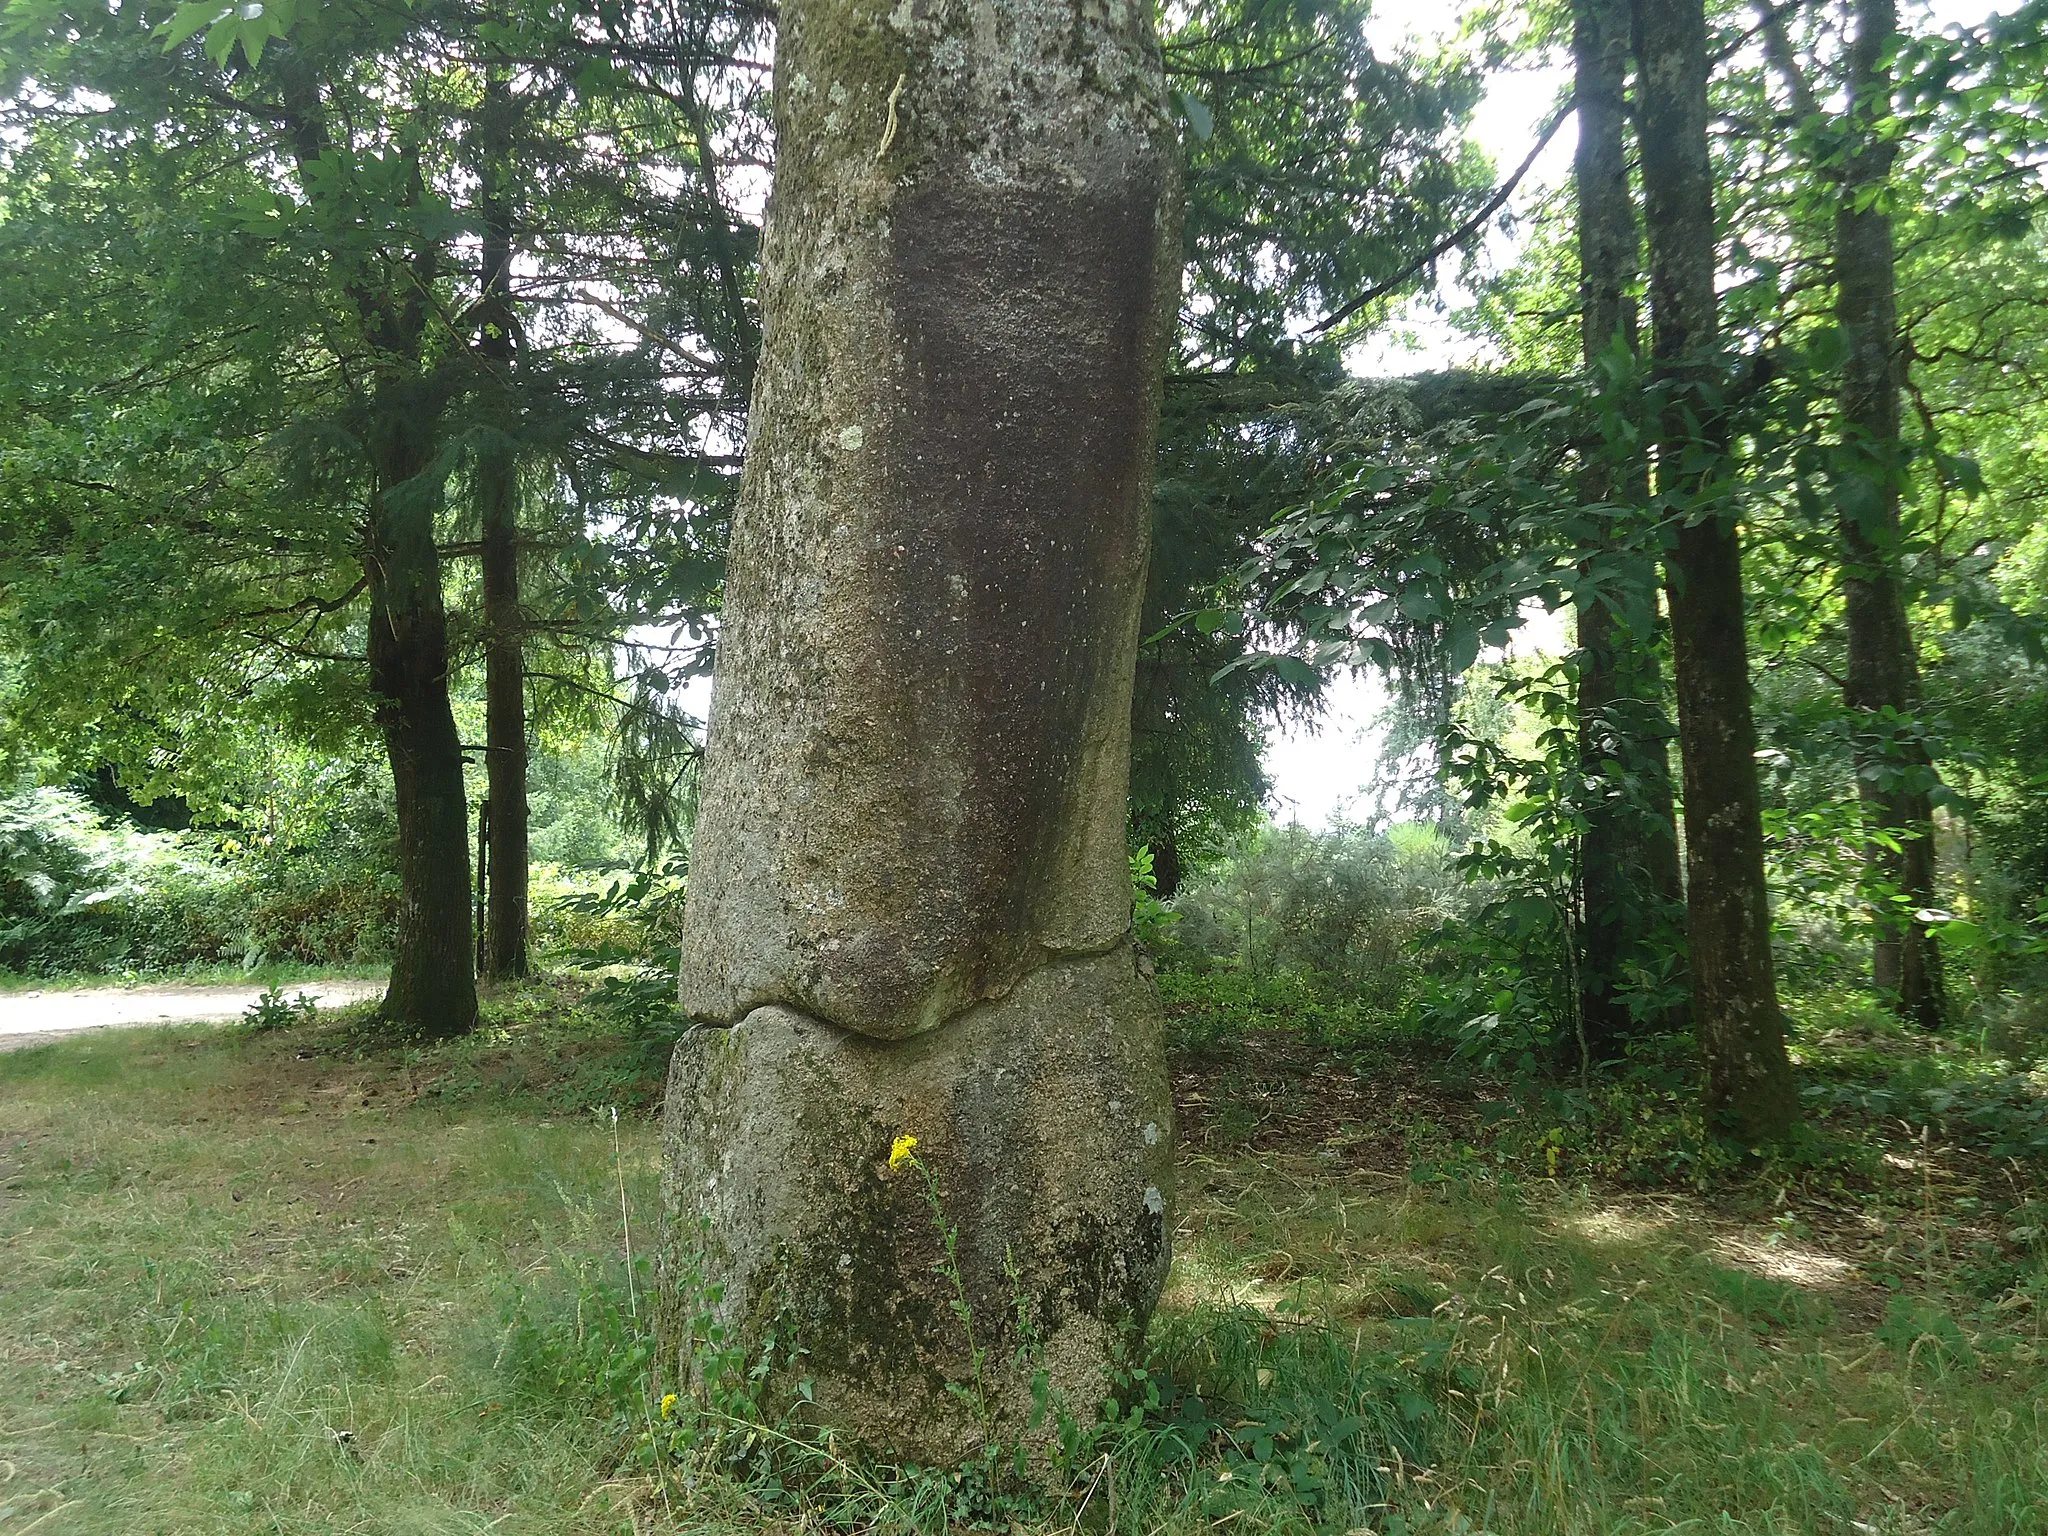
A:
[1458,237]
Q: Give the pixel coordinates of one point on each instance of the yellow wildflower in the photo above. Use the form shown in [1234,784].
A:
[668,1404]
[900,1150]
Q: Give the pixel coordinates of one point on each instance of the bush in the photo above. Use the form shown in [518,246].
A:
[1209,1013]
[1345,904]
[81,894]
[2016,1026]
[572,917]
[632,932]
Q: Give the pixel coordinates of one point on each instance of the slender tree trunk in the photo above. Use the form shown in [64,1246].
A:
[1629,857]
[433,991]
[1882,684]
[1166,866]
[505,922]
[1749,1085]
[505,756]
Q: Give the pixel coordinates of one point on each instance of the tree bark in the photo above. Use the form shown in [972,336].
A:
[1166,866]
[1882,684]
[497,477]
[432,994]
[1630,887]
[1750,1091]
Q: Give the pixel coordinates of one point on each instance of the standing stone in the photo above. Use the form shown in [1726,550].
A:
[909,905]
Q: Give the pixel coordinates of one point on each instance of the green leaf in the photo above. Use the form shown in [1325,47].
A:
[1201,122]
[1292,669]
[190,18]
[221,38]
[1461,648]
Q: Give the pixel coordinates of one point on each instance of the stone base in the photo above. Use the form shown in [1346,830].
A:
[1045,1119]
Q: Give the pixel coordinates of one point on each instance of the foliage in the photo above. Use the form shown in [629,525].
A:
[1208,1011]
[1317,167]
[632,933]
[1152,921]
[80,894]
[1345,904]
[271,1011]
[191,466]
[1504,976]
[574,823]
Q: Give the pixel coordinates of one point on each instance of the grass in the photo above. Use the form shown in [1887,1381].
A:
[292,1283]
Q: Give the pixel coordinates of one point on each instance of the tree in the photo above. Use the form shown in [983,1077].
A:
[497,491]
[306,328]
[1741,1030]
[358,220]
[1882,681]
[1628,856]
[1317,168]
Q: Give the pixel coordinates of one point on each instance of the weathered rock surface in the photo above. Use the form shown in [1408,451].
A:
[1043,1119]
[909,903]
[919,747]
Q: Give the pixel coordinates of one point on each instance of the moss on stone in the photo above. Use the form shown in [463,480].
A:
[909,896]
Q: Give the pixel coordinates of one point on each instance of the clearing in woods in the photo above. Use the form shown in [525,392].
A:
[267,1282]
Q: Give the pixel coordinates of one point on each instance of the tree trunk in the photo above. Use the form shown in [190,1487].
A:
[432,993]
[1167,872]
[433,990]
[1629,886]
[505,921]
[1750,1090]
[909,903]
[497,476]
[1882,683]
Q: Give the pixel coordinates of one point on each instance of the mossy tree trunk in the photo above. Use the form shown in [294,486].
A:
[398,420]
[433,985]
[1750,1091]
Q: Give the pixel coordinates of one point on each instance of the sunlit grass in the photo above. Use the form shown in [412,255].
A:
[250,1287]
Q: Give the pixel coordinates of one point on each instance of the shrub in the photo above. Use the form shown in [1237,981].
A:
[81,894]
[1346,904]
[631,931]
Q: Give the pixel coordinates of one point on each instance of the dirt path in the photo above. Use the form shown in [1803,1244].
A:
[33,1018]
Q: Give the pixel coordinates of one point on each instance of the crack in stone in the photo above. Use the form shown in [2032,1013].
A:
[1051,959]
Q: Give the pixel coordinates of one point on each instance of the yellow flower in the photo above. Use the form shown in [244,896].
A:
[668,1404]
[900,1150]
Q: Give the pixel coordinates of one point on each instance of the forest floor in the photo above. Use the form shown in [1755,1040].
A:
[280,1283]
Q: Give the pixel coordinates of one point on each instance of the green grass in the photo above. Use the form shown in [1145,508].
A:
[247,1293]
[292,1283]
